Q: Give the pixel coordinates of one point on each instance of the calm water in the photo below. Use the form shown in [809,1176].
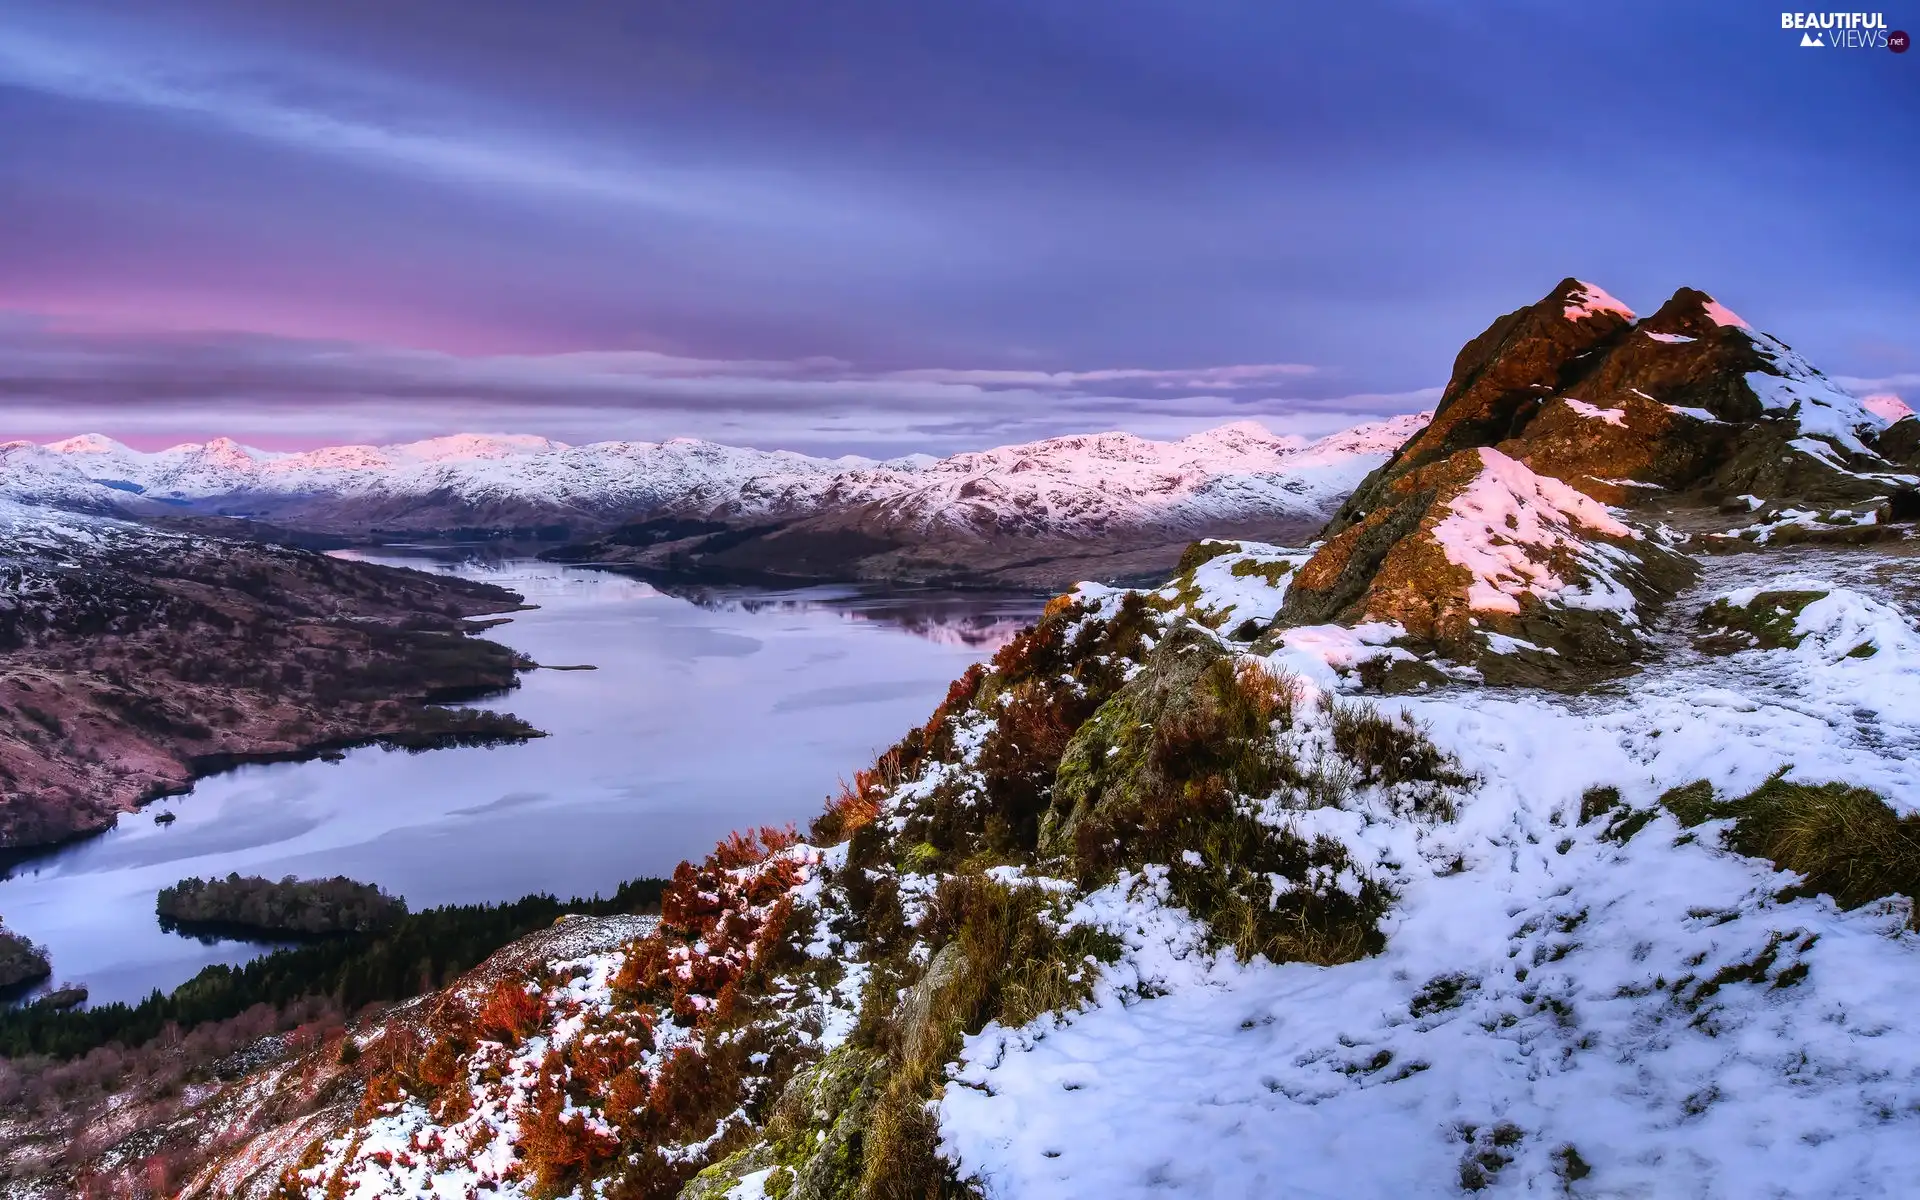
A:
[707,712]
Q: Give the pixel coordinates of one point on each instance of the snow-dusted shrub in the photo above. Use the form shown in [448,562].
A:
[1004,956]
[1391,750]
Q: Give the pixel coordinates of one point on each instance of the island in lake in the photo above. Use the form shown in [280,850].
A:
[256,908]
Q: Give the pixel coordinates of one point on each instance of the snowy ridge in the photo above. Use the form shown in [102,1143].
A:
[1589,299]
[38,475]
[1094,483]
[1796,388]
[1081,483]
[1576,989]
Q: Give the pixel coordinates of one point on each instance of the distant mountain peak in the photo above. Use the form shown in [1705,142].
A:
[89,443]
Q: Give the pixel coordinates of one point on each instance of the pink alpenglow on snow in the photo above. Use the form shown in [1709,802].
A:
[1592,299]
[1721,315]
[1887,406]
[1508,520]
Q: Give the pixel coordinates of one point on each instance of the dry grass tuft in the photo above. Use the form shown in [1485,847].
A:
[1845,840]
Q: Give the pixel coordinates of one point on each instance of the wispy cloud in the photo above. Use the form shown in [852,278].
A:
[1249,375]
[1885,383]
[61,381]
[405,129]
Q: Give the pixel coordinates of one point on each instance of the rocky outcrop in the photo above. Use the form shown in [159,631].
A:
[1512,514]
[1901,442]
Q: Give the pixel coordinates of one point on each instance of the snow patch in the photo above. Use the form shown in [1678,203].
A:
[1723,316]
[1589,299]
[1505,525]
[1611,416]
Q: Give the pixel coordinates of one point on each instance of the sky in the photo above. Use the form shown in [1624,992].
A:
[874,227]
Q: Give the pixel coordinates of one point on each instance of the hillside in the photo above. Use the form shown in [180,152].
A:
[136,661]
[1534,831]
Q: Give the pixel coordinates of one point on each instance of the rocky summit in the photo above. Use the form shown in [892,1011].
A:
[1536,512]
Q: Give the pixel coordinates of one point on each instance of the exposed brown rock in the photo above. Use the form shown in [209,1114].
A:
[1901,442]
[1663,410]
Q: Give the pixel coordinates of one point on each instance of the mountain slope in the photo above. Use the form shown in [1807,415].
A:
[1174,899]
[1046,513]
[1143,911]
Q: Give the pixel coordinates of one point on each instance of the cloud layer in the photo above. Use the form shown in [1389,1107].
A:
[292,392]
[956,219]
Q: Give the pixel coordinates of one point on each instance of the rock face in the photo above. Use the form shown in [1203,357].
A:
[1496,518]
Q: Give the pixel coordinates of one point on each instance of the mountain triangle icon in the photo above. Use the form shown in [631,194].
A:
[1811,39]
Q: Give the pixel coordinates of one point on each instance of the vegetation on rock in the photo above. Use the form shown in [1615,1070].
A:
[1766,622]
[792,1013]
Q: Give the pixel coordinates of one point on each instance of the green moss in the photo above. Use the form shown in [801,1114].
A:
[1596,801]
[1570,1166]
[1626,823]
[1766,622]
[919,859]
[718,1181]
[1275,573]
[1692,803]
[1204,551]
[816,1132]
[1441,993]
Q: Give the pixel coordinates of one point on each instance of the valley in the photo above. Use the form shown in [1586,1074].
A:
[706,712]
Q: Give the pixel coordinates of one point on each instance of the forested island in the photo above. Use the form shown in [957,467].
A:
[250,906]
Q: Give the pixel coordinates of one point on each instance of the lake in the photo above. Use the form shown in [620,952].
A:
[708,710]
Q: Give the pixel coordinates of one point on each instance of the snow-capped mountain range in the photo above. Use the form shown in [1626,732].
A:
[1075,484]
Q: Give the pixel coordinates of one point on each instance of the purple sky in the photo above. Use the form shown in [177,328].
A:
[881,227]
